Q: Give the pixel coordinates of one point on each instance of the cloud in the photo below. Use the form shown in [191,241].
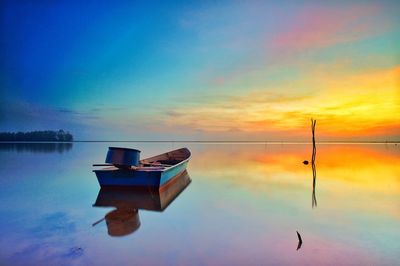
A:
[312,35]
[173,114]
[346,105]
[68,111]
[320,27]
[107,109]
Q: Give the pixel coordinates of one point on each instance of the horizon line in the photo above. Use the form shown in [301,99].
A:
[222,141]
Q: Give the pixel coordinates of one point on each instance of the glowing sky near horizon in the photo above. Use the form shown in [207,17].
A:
[230,70]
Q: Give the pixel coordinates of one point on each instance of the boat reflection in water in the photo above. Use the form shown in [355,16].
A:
[125,220]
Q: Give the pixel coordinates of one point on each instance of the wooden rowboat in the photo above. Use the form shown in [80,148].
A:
[155,171]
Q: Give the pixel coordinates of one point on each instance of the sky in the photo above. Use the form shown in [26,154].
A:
[205,70]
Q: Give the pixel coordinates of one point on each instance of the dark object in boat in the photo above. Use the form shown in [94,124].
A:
[300,241]
[123,157]
[305,162]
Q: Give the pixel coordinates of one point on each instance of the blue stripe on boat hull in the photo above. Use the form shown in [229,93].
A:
[171,172]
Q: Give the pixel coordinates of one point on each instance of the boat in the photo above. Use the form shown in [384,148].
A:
[124,169]
[127,201]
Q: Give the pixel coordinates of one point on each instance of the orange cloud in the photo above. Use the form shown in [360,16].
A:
[345,105]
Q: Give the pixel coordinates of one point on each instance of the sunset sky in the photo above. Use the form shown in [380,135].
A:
[233,70]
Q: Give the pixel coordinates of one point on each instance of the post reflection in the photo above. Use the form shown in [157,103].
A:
[124,219]
[314,169]
[314,198]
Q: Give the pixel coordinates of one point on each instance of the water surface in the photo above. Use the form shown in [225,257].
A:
[243,207]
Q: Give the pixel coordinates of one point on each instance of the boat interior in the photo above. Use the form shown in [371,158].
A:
[167,159]
[158,162]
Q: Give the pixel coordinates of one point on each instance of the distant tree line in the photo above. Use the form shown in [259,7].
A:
[47,135]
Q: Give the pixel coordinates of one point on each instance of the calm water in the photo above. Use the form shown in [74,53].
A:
[243,207]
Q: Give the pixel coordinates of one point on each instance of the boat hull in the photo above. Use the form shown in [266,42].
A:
[135,178]
[143,198]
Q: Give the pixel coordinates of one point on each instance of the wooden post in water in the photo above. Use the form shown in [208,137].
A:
[313,124]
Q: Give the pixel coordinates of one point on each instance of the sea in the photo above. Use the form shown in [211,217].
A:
[247,204]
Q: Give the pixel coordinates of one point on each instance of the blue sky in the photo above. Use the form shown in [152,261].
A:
[197,70]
